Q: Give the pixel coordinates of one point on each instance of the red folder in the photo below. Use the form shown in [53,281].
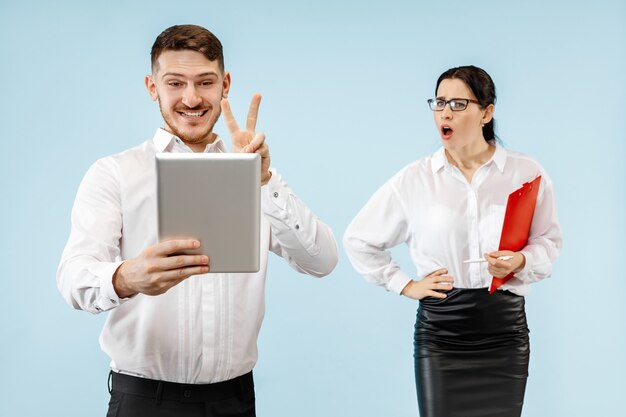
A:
[517,219]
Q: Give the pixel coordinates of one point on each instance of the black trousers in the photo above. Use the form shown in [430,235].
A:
[140,397]
[471,354]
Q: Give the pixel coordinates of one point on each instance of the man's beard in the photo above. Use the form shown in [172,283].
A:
[200,138]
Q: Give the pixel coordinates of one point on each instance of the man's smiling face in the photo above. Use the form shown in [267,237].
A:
[189,88]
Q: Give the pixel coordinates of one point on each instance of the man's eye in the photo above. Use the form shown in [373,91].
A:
[174,84]
[440,103]
[206,83]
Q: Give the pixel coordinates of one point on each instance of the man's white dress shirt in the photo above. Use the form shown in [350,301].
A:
[444,220]
[205,329]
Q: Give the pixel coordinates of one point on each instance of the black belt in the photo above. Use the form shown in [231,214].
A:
[188,393]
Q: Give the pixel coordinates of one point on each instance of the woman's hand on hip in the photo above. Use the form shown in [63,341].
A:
[429,286]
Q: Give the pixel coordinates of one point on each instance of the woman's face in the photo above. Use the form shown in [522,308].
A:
[460,129]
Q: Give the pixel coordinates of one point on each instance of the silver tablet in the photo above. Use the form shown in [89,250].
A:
[216,198]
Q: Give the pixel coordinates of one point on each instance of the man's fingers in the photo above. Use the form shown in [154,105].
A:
[253,112]
[262,150]
[184,273]
[257,142]
[169,247]
[182,261]
[165,280]
[229,119]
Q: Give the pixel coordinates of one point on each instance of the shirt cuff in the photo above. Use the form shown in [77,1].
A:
[398,281]
[107,299]
[274,195]
[525,271]
[288,216]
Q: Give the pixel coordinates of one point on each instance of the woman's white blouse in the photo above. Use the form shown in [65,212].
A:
[444,220]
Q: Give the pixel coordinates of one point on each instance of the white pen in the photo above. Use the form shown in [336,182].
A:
[501,258]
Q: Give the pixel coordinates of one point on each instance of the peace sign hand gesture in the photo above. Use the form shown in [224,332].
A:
[248,140]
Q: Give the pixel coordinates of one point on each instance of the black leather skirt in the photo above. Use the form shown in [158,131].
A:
[471,354]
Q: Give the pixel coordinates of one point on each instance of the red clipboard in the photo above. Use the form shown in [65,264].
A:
[517,220]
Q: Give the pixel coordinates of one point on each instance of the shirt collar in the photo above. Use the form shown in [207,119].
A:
[167,142]
[499,157]
[439,160]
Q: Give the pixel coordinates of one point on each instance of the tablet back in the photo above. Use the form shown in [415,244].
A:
[214,197]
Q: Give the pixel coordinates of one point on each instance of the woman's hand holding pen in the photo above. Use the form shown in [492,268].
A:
[499,268]
[429,285]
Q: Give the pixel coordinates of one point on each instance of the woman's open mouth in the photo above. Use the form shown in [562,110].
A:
[446,132]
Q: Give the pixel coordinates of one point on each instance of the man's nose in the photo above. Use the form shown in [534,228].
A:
[191,98]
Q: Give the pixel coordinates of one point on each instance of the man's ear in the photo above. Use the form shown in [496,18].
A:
[226,85]
[151,86]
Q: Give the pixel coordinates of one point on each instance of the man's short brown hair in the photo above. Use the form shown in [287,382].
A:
[192,37]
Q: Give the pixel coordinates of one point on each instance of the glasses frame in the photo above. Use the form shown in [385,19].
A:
[431,102]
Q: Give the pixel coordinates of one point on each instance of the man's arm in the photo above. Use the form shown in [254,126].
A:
[156,270]
[92,275]
[92,253]
[296,233]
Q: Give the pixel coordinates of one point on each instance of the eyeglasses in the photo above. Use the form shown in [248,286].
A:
[456,104]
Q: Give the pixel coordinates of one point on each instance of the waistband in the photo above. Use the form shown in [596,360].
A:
[463,296]
[472,316]
[185,393]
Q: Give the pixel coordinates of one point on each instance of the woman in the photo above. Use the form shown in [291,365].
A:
[471,347]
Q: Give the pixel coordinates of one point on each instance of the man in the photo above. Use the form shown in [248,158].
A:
[181,342]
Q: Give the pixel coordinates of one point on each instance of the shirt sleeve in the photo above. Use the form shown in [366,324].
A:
[92,253]
[545,241]
[381,224]
[297,234]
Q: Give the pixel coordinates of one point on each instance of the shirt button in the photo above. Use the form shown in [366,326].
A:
[187,393]
[275,195]
[297,227]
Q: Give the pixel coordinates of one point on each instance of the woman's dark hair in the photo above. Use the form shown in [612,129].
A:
[481,85]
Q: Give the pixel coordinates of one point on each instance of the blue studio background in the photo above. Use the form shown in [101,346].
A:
[344,89]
